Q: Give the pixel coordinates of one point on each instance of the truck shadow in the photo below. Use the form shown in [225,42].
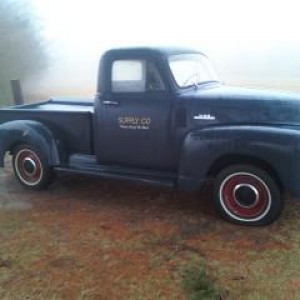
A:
[193,214]
[115,192]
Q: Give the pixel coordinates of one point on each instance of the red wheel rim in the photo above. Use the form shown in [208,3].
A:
[241,208]
[28,167]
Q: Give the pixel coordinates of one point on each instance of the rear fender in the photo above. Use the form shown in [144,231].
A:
[32,133]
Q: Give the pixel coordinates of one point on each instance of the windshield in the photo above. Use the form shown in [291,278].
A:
[191,69]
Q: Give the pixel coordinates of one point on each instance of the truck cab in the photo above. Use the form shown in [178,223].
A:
[140,118]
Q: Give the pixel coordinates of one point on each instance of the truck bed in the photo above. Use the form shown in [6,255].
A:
[71,118]
[61,104]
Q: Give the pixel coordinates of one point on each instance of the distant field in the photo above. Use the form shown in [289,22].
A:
[89,91]
[292,85]
[39,95]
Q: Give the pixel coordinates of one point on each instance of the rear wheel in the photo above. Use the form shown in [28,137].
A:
[247,195]
[31,168]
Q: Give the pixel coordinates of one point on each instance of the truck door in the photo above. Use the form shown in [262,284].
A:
[133,122]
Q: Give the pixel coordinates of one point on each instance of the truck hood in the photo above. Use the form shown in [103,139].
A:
[213,104]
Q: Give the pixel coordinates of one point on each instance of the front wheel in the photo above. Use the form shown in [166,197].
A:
[31,168]
[247,195]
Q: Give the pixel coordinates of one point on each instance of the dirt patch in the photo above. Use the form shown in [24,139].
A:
[5,263]
[86,238]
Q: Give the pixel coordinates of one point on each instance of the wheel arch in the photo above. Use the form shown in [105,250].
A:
[208,150]
[15,133]
[237,159]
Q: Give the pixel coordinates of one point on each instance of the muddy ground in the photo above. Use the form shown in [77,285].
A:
[87,238]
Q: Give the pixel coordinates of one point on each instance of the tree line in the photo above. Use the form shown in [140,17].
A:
[22,52]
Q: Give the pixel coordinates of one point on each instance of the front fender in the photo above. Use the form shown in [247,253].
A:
[277,146]
[28,132]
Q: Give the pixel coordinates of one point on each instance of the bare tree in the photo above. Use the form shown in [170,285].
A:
[22,54]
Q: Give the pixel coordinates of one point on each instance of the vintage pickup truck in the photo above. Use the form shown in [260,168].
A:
[161,116]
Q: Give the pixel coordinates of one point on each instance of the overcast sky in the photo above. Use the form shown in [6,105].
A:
[242,38]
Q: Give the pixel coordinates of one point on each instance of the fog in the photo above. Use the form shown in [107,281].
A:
[253,43]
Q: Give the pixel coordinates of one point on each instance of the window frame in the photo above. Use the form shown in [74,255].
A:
[146,62]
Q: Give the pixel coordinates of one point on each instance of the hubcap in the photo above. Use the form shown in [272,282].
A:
[245,197]
[28,167]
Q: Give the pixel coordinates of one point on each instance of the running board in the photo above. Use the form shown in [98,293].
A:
[87,165]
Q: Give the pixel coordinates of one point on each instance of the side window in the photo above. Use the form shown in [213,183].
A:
[128,76]
[135,76]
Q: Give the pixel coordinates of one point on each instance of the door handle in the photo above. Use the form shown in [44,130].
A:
[109,102]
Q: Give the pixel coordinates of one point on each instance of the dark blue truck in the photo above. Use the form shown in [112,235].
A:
[161,116]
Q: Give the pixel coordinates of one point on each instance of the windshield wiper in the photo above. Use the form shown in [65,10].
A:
[207,81]
[196,85]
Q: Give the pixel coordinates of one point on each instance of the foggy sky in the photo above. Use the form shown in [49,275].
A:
[246,40]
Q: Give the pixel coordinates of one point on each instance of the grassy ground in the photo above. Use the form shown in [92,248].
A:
[86,238]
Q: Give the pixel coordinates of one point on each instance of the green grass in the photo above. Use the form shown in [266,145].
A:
[198,285]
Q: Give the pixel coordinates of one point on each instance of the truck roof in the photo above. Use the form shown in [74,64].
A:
[157,53]
[165,51]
